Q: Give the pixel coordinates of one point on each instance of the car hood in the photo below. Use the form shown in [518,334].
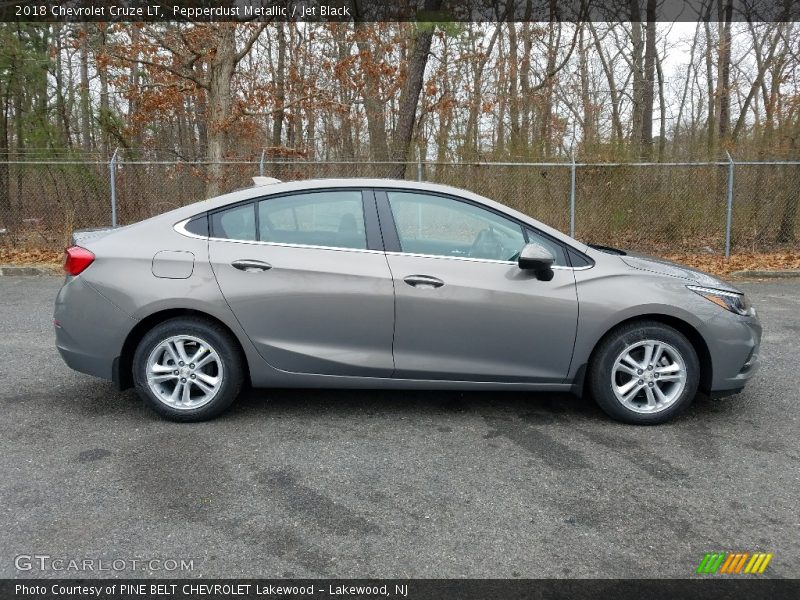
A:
[669,268]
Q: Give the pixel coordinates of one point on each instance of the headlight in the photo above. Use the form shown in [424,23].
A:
[736,303]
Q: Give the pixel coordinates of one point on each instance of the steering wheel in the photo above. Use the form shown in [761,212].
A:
[487,244]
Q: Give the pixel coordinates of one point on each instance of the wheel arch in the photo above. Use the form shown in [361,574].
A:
[123,364]
[692,334]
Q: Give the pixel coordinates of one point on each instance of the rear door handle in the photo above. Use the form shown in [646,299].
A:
[423,281]
[251,266]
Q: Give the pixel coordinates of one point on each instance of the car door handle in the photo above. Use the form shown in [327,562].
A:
[423,281]
[251,266]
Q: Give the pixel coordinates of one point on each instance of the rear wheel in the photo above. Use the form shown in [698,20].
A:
[187,369]
[644,373]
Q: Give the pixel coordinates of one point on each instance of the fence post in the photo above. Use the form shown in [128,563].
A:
[261,163]
[112,167]
[729,213]
[419,168]
[572,197]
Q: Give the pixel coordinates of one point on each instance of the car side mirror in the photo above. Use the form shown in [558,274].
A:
[536,258]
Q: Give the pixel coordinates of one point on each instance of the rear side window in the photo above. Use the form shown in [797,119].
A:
[334,219]
[237,223]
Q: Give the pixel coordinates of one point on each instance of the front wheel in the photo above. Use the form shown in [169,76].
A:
[644,373]
[187,369]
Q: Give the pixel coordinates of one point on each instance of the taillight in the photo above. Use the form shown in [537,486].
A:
[76,259]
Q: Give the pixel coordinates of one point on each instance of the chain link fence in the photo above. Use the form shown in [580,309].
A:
[656,208]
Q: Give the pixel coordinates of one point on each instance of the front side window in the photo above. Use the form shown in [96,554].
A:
[439,226]
[329,218]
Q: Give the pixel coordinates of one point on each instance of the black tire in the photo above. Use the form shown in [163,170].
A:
[209,333]
[602,363]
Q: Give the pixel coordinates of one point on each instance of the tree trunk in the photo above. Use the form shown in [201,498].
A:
[662,108]
[514,145]
[469,148]
[409,96]
[711,144]
[502,104]
[86,115]
[374,105]
[200,113]
[637,99]
[220,74]
[676,132]
[761,65]
[106,123]
[136,138]
[724,69]
[346,126]
[446,113]
[586,98]
[526,107]
[280,87]
[648,96]
[616,120]
[61,105]
[546,113]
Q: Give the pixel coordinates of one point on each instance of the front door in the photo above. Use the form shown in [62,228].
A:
[464,309]
[307,279]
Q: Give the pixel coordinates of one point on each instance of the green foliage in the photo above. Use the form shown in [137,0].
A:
[433,20]
[24,69]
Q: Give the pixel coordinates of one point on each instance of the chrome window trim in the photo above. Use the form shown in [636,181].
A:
[299,246]
[180,227]
[447,257]
[482,260]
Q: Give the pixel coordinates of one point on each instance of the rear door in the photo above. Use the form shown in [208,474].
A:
[306,276]
[464,309]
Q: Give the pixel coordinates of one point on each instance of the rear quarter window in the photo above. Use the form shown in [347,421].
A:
[198,226]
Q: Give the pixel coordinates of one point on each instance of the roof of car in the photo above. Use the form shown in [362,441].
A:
[279,187]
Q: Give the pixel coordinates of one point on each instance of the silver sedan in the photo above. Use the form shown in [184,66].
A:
[372,283]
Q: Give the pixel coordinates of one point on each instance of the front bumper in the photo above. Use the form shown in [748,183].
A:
[734,344]
[90,330]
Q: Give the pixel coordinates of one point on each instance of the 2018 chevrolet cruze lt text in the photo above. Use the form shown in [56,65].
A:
[372,283]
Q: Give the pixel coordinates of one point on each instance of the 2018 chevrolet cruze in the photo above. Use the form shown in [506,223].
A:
[372,283]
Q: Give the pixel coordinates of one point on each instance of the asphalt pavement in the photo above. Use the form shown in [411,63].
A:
[298,483]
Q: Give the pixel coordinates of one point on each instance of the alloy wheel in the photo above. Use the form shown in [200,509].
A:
[648,376]
[184,372]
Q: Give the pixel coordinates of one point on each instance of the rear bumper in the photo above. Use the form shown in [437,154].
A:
[90,330]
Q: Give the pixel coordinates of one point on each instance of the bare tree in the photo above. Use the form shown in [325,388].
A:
[638,92]
[409,97]
[648,84]
[725,14]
